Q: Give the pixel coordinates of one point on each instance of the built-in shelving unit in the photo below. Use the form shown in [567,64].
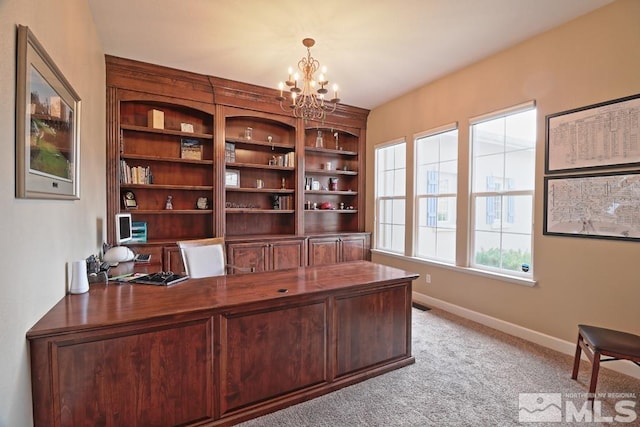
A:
[166,174]
[269,186]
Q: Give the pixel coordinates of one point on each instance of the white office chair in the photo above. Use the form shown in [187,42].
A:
[206,258]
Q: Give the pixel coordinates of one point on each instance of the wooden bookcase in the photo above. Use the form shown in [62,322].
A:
[331,179]
[264,202]
[264,209]
[182,180]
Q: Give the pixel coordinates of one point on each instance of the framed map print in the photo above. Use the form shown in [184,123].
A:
[603,206]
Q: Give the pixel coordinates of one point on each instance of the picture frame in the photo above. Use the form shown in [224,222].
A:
[47,125]
[232,178]
[597,136]
[190,149]
[602,206]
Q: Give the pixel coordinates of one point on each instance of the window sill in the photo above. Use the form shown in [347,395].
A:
[523,281]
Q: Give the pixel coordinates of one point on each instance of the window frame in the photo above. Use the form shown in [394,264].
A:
[379,199]
[436,196]
[502,194]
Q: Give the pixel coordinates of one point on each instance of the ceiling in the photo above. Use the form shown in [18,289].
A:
[375,50]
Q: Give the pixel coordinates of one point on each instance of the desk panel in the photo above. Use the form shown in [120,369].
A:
[270,353]
[160,376]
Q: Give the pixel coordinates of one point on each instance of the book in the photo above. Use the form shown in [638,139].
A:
[190,149]
[160,279]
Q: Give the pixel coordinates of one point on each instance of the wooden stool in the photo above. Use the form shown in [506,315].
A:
[597,342]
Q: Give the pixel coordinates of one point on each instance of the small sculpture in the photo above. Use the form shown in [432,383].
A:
[169,204]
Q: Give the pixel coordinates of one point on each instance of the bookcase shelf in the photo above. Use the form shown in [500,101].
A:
[258,166]
[168,187]
[262,190]
[171,211]
[165,159]
[259,211]
[166,131]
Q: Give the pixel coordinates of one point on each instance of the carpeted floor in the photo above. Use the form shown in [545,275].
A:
[466,374]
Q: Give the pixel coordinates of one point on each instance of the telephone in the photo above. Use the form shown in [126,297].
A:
[94,266]
[97,271]
[118,254]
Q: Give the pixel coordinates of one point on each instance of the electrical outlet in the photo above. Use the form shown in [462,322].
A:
[427,278]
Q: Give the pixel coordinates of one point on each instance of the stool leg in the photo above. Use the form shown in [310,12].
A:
[594,375]
[576,361]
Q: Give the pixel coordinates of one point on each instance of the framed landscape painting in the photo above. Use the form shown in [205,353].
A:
[47,125]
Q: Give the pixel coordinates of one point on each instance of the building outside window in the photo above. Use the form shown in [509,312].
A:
[502,190]
[390,193]
[436,194]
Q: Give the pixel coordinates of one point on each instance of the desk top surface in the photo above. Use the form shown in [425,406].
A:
[115,303]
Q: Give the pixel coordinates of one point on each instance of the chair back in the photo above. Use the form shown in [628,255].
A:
[203,257]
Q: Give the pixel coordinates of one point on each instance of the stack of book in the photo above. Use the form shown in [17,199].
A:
[135,174]
[285,203]
[286,160]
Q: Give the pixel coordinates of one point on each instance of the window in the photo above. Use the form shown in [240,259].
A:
[436,193]
[390,190]
[502,190]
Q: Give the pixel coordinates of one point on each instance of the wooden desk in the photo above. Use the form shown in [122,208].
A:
[220,350]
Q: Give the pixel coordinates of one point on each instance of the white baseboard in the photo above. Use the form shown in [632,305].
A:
[566,347]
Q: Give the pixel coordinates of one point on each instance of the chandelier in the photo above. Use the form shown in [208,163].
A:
[308,97]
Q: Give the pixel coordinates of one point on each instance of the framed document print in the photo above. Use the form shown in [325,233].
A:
[47,125]
[602,135]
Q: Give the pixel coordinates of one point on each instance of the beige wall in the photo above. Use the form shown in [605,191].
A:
[38,236]
[589,60]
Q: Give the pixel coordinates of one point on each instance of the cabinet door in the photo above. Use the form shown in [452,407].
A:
[324,250]
[287,254]
[136,379]
[173,260]
[248,255]
[272,353]
[372,328]
[355,248]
